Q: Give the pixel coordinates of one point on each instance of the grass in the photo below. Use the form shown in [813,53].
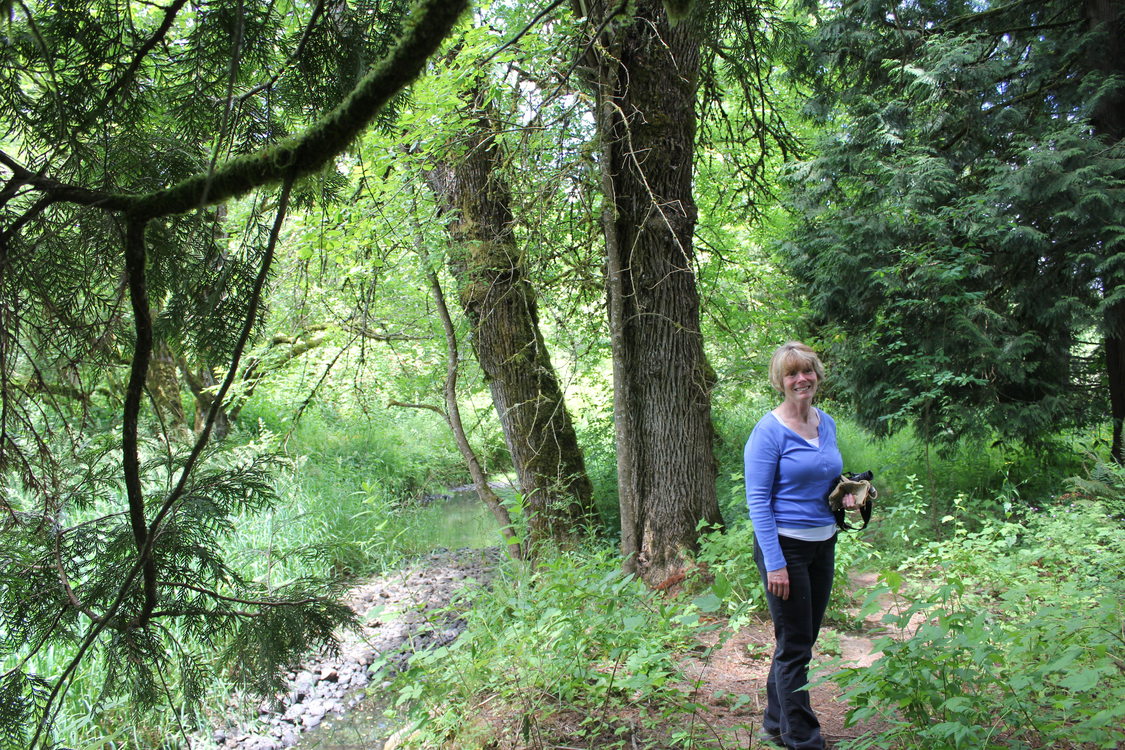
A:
[573,638]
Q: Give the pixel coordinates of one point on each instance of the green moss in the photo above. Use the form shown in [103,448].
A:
[423,32]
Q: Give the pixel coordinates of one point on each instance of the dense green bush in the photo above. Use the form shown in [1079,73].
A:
[1015,641]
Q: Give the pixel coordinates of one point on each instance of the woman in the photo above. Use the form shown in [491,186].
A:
[791,460]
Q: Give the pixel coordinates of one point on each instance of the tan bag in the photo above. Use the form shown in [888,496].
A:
[852,484]
[861,488]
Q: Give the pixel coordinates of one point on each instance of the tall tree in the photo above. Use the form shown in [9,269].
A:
[497,296]
[1106,55]
[644,71]
[961,228]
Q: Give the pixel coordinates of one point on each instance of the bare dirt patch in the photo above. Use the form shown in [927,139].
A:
[728,677]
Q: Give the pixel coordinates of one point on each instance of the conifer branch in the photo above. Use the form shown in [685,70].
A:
[62,192]
[244,338]
[317,11]
[426,28]
[135,260]
[11,189]
[64,581]
[234,599]
[127,77]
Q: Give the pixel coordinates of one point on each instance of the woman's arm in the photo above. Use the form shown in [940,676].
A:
[760,459]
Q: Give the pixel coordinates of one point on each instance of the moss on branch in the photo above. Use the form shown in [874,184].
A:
[424,31]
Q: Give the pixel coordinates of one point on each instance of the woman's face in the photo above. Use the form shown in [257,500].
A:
[800,384]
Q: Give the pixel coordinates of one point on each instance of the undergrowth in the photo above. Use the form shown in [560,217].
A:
[1014,635]
[572,647]
[1008,633]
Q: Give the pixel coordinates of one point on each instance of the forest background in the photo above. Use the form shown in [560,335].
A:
[272,275]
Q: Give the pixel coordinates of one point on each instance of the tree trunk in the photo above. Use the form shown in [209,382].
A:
[1107,17]
[646,80]
[501,305]
[163,385]
[1115,369]
[202,384]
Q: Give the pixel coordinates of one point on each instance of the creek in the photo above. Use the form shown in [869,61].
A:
[456,521]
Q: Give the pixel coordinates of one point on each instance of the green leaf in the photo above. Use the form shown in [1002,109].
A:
[1081,681]
[708,602]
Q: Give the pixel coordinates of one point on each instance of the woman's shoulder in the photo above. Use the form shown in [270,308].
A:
[768,421]
[768,424]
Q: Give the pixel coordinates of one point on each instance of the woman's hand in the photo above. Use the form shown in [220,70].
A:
[849,501]
[777,581]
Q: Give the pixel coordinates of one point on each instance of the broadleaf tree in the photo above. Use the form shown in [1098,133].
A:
[644,73]
[498,297]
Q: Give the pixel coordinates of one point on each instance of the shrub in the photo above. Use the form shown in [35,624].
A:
[574,637]
[1018,644]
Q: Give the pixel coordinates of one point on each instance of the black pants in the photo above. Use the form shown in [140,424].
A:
[796,623]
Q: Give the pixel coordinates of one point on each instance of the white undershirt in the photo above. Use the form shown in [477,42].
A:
[814,534]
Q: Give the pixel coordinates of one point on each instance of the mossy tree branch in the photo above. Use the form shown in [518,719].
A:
[425,30]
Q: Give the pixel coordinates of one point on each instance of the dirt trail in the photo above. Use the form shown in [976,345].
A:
[730,681]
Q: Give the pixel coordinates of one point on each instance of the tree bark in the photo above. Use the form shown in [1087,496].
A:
[1107,17]
[164,386]
[646,84]
[202,383]
[500,303]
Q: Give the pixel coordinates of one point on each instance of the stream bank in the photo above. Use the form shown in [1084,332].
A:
[399,615]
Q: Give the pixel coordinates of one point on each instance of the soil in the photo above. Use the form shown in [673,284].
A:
[726,675]
[730,680]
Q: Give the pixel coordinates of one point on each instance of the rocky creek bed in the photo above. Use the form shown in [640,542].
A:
[399,615]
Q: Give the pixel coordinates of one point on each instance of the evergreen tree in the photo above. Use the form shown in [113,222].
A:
[122,125]
[960,230]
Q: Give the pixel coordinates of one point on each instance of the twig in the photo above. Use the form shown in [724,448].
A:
[431,407]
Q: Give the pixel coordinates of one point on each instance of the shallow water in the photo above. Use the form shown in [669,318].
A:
[362,728]
[462,521]
[457,523]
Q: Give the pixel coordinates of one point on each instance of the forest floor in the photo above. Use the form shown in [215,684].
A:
[729,681]
[725,676]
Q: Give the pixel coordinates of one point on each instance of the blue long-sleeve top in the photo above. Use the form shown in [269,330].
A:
[787,479]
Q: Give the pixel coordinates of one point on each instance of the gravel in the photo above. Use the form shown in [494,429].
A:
[397,616]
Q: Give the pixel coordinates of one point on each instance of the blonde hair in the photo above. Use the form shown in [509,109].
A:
[790,357]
